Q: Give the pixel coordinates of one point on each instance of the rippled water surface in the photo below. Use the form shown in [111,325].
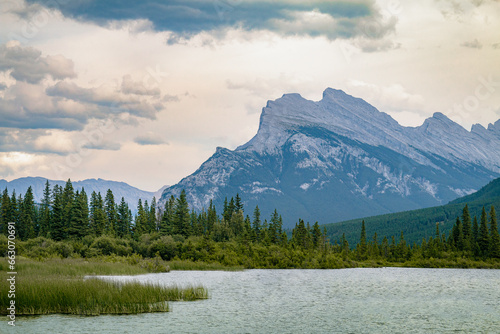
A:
[384,300]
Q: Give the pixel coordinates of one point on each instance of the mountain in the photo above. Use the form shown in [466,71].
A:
[119,189]
[418,224]
[340,158]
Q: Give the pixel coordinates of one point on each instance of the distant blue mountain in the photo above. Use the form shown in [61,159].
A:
[340,158]
[119,189]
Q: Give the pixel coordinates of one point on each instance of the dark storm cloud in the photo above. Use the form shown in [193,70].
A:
[189,17]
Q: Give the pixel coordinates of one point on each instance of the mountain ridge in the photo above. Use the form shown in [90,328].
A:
[120,189]
[344,153]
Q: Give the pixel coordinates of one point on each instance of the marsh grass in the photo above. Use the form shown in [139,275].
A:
[57,286]
[199,265]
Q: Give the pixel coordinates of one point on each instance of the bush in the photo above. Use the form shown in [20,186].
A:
[61,249]
[166,247]
[105,245]
[3,245]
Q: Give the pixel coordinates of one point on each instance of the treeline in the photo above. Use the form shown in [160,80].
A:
[67,224]
[66,214]
[468,240]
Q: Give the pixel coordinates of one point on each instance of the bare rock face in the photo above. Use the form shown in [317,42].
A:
[340,158]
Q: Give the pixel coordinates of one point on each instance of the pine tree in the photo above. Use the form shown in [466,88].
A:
[97,214]
[57,230]
[345,246]
[247,231]
[78,225]
[494,243]
[45,211]
[211,217]
[182,217]
[300,234]
[362,243]
[483,237]
[110,212]
[28,216]
[225,210]
[140,220]
[457,237]
[274,228]
[124,219]
[152,216]
[68,199]
[316,235]
[238,205]
[168,218]
[474,237]
[466,229]
[5,212]
[231,208]
[256,224]
[236,224]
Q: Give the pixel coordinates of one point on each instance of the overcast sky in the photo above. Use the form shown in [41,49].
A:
[144,91]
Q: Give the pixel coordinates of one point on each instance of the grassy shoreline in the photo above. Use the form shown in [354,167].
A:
[57,286]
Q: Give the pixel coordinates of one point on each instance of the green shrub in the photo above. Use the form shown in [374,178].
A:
[165,246]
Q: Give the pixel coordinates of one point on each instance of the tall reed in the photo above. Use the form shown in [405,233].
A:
[57,286]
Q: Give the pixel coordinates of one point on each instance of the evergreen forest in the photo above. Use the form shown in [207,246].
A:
[72,224]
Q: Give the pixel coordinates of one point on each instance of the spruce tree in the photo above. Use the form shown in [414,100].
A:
[238,205]
[225,210]
[77,228]
[5,212]
[168,218]
[474,237]
[27,227]
[211,217]
[57,230]
[110,212]
[494,243]
[362,243]
[140,220]
[316,235]
[152,216]
[182,217]
[256,224]
[466,229]
[274,228]
[45,211]
[124,219]
[483,237]
[457,235]
[97,214]
[236,224]
[68,200]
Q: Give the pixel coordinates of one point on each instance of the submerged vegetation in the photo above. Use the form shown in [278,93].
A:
[58,286]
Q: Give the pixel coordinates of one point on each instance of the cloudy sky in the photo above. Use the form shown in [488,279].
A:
[144,91]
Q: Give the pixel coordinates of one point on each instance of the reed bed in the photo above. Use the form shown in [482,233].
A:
[199,265]
[58,287]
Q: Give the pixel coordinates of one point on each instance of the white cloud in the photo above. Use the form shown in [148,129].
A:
[149,138]
[27,64]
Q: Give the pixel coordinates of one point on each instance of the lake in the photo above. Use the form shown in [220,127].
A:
[381,300]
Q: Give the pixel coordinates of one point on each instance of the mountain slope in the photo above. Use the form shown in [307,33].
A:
[341,158]
[119,189]
[418,224]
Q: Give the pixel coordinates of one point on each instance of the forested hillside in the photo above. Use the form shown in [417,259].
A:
[419,224]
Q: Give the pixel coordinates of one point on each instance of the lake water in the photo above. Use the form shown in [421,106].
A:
[383,300]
